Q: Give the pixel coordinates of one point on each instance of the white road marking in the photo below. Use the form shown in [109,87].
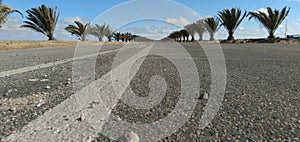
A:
[50,64]
[52,126]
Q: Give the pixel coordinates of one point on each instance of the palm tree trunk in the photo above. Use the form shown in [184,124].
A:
[271,36]
[200,33]
[51,37]
[193,38]
[212,36]
[83,38]
[230,37]
[200,37]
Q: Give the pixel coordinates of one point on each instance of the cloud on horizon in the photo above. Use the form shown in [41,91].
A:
[264,10]
[70,20]
[178,21]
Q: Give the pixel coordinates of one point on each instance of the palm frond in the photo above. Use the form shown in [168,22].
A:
[5,10]
[79,29]
[270,20]
[231,19]
[42,19]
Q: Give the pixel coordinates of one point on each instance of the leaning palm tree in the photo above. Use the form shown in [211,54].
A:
[212,26]
[270,20]
[231,19]
[200,29]
[99,31]
[192,29]
[5,10]
[42,19]
[80,30]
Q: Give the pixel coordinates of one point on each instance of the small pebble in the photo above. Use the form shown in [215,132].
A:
[8,92]
[13,109]
[81,119]
[129,137]
[33,80]
[44,80]
[203,96]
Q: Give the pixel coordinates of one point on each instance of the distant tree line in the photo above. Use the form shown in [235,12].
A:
[230,19]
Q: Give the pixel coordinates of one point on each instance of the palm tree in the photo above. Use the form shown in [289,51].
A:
[5,10]
[192,29]
[270,20]
[42,19]
[99,31]
[173,36]
[128,37]
[200,29]
[231,19]
[178,36]
[109,33]
[212,26]
[80,30]
[185,34]
[117,36]
[134,37]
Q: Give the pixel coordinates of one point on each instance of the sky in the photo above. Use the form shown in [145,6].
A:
[151,18]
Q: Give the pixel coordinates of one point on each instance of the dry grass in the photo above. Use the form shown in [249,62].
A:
[14,45]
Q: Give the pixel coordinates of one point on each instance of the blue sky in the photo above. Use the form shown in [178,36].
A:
[151,18]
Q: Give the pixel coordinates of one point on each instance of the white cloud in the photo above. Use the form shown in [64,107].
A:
[264,10]
[70,20]
[12,23]
[293,0]
[194,13]
[207,16]
[297,22]
[180,21]
[11,30]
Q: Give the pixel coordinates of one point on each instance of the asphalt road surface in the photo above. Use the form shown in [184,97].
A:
[50,94]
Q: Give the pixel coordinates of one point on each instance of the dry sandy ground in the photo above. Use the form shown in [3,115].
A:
[13,45]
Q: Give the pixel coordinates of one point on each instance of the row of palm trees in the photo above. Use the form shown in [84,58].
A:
[43,19]
[230,19]
[209,24]
[100,31]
